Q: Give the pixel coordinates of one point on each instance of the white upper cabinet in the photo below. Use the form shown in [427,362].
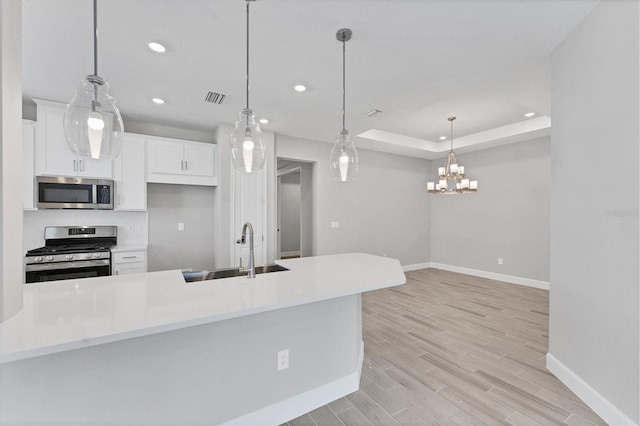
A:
[130,175]
[181,162]
[52,154]
[200,159]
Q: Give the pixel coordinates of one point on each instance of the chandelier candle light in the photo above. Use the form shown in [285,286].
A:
[92,122]
[247,148]
[451,177]
[344,157]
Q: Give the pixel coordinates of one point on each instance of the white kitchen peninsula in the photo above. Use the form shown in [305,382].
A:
[152,349]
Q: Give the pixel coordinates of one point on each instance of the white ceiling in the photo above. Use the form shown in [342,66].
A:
[484,61]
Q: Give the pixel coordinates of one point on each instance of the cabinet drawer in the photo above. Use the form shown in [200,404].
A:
[129,268]
[128,257]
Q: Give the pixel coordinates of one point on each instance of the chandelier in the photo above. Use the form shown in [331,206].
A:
[451,177]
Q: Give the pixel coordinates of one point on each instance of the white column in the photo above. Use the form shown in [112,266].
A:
[11,256]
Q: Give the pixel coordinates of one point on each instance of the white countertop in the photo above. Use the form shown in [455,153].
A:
[128,247]
[64,315]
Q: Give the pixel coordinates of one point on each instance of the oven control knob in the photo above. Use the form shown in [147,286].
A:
[39,258]
[69,256]
[97,255]
[49,258]
[87,256]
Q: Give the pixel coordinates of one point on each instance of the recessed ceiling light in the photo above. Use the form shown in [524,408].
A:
[530,114]
[264,121]
[157,47]
[299,87]
[158,101]
[442,138]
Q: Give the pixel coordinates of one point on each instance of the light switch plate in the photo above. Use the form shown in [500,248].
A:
[335,225]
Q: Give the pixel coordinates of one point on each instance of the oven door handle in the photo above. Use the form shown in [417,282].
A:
[66,265]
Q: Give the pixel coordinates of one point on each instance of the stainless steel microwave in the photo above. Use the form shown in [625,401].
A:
[74,193]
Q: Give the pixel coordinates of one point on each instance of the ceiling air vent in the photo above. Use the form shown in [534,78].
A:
[371,113]
[214,98]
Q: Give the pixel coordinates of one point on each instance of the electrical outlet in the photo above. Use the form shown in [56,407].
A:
[500,261]
[283,359]
[335,225]
[180,226]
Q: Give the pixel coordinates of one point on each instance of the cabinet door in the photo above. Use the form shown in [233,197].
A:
[95,168]
[248,206]
[166,157]
[130,175]
[200,159]
[129,268]
[53,156]
[28,174]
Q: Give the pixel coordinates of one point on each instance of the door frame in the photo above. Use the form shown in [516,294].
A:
[295,169]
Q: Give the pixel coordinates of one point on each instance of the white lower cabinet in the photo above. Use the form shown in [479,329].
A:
[129,262]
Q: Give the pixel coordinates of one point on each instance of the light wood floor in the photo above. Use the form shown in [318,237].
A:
[453,349]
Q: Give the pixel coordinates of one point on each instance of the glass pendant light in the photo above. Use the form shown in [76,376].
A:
[247,148]
[344,157]
[92,122]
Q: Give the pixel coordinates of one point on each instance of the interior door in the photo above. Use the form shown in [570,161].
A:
[249,206]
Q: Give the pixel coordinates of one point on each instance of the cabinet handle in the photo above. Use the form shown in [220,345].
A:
[186,164]
[75,165]
[81,165]
[181,164]
[129,257]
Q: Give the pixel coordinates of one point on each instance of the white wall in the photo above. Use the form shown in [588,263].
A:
[11,260]
[170,248]
[383,211]
[594,321]
[507,218]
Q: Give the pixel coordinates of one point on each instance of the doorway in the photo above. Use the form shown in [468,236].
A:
[294,209]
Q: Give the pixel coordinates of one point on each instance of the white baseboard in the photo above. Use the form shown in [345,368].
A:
[416,266]
[598,403]
[283,411]
[492,275]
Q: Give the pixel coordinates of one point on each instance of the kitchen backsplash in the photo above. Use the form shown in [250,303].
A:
[133,227]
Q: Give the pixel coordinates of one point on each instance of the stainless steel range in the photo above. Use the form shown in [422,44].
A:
[71,252]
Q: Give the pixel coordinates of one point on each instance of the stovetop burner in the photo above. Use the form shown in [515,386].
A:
[70,248]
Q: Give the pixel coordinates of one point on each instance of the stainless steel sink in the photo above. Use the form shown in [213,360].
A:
[193,276]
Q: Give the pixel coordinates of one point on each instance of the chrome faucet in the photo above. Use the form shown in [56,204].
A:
[243,240]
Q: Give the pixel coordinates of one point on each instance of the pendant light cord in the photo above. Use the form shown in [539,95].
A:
[95,37]
[451,135]
[247,74]
[344,44]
